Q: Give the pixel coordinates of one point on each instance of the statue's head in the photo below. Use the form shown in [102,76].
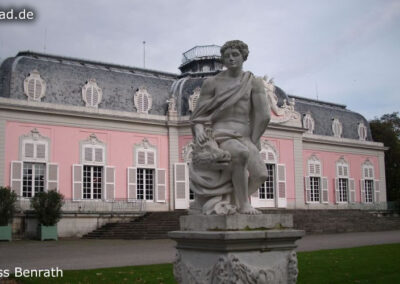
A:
[237,44]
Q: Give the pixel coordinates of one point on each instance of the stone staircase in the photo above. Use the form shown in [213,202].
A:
[152,225]
[156,225]
[342,221]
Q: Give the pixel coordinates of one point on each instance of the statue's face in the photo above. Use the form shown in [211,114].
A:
[232,58]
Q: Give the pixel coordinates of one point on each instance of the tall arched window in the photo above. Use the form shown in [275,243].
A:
[344,185]
[315,184]
[272,191]
[146,181]
[33,172]
[93,178]
[369,186]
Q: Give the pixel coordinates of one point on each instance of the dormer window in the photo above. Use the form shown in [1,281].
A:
[142,100]
[308,123]
[34,86]
[91,93]
[337,128]
[362,131]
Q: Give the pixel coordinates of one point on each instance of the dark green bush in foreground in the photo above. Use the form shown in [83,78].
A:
[371,264]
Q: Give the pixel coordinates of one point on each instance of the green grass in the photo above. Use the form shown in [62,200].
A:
[371,264]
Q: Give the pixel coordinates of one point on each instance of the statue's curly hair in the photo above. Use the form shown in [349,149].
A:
[239,45]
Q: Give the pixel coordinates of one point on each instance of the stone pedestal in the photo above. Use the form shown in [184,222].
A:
[228,249]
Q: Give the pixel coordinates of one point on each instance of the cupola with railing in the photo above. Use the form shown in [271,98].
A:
[201,59]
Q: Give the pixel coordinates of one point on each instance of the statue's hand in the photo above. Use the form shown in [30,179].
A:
[201,135]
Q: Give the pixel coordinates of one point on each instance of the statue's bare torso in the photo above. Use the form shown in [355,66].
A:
[235,117]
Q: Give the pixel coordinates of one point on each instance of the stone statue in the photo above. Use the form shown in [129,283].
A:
[231,115]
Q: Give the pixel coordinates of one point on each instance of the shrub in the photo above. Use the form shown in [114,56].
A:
[47,207]
[7,205]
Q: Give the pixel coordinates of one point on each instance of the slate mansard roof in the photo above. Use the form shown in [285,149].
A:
[65,78]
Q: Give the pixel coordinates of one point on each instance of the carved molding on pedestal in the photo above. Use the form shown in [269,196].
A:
[231,270]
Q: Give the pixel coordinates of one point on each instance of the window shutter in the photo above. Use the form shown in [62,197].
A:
[376,191]
[132,183]
[337,194]
[264,156]
[345,171]
[307,183]
[141,158]
[77,181]
[52,177]
[98,155]
[29,150]
[282,202]
[340,170]
[88,154]
[161,185]
[40,151]
[16,177]
[271,157]
[311,169]
[150,158]
[181,186]
[110,183]
[362,190]
[352,190]
[371,172]
[366,172]
[318,169]
[324,189]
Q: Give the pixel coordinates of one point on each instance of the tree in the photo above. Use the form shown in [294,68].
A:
[387,130]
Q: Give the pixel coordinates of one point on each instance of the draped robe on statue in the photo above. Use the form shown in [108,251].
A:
[213,188]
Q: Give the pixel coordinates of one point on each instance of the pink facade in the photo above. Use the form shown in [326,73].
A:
[65,151]
[328,162]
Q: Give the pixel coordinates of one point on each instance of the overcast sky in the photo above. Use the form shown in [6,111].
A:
[343,51]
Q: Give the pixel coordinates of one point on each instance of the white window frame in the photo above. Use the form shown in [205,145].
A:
[368,177]
[342,173]
[92,85]
[314,170]
[145,190]
[93,144]
[337,128]
[102,188]
[33,185]
[308,123]
[35,77]
[147,152]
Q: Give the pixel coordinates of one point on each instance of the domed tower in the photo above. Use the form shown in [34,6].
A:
[201,59]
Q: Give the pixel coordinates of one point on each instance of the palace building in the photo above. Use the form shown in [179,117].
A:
[116,140]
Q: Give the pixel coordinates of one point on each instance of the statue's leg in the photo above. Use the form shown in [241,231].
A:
[240,178]
[256,167]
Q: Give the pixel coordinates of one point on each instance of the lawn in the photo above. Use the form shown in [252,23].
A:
[370,264]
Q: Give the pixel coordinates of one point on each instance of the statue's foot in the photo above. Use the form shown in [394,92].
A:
[249,210]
